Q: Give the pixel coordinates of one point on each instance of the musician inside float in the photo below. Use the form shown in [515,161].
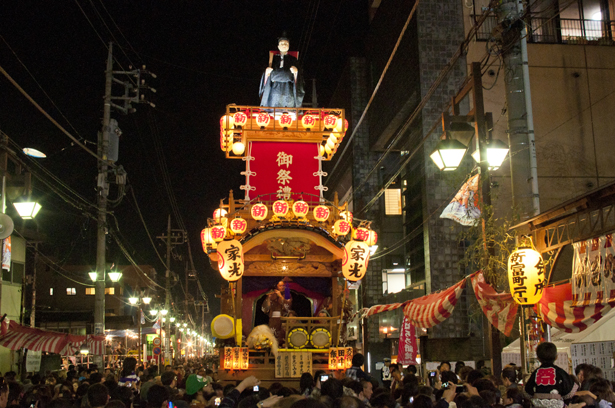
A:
[278,304]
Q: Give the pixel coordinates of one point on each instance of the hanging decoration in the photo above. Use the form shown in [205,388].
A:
[355,260]
[347,215]
[206,239]
[217,232]
[259,211]
[526,276]
[285,120]
[321,213]
[341,227]
[308,122]
[240,119]
[329,121]
[230,260]
[280,208]
[361,234]
[300,209]
[372,239]
[263,119]
[239,226]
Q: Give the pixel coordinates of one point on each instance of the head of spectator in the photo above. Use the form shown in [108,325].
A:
[15,391]
[308,403]
[490,397]
[444,366]
[474,401]
[395,373]
[448,377]
[412,369]
[123,394]
[306,383]
[195,384]
[509,376]
[169,379]
[425,390]
[463,373]
[473,376]
[601,388]
[484,384]
[514,398]
[348,402]
[332,388]
[157,397]
[129,366]
[385,400]
[98,395]
[96,378]
[358,360]
[367,390]
[458,366]
[410,379]
[546,353]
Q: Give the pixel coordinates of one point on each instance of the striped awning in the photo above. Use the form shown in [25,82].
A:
[19,337]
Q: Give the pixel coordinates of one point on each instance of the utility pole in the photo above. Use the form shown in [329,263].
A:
[523,165]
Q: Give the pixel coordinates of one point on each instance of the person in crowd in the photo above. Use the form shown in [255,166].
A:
[356,372]
[514,398]
[98,396]
[306,384]
[548,382]
[365,395]
[397,382]
[199,389]
[385,373]
[509,377]
[603,392]
[157,397]
[473,376]
[128,376]
[444,366]
[4,393]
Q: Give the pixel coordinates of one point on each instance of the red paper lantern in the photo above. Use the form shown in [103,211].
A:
[341,227]
[259,211]
[280,208]
[300,209]
[240,119]
[308,122]
[373,238]
[321,213]
[218,232]
[239,225]
[329,121]
[285,120]
[263,119]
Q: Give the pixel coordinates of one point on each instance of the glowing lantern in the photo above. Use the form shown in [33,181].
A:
[355,260]
[321,213]
[321,150]
[239,225]
[227,122]
[361,234]
[236,358]
[348,357]
[222,141]
[263,119]
[328,150]
[331,141]
[238,148]
[332,359]
[329,121]
[245,358]
[373,238]
[347,215]
[240,119]
[230,260]
[285,120]
[308,122]
[341,227]
[217,232]
[206,238]
[228,358]
[259,211]
[338,125]
[526,276]
[280,208]
[300,209]
[219,213]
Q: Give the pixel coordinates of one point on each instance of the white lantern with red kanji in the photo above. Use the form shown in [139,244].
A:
[280,208]
[300,209]
[329,121]
[230,260]
[361,234]
[347,215]
[285,120]
[206,239]
[259,211]
[219,213]
[227,122]
[355,260]
[308,122]
[239,225]
[341,227]
[321,213]
[240,119]
[372,239]
[526,276]
[217,232]
[263,119]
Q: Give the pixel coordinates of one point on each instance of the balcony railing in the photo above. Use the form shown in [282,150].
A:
[548,30]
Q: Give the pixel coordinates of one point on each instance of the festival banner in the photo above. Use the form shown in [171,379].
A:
[407,351]
[281,168]
[499,308]
[464,208]
[6,254]
[593,273]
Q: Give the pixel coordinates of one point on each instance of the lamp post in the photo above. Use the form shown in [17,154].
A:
[139,301]
[99,293]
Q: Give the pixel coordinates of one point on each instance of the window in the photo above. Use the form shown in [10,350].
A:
[109,291]
[392,201]
[71,291]
[90,291]
[50,291]
[393,280]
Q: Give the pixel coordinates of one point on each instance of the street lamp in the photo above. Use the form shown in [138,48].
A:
[115,276]
[153,312]
[448,154]
[496,153]
[27,208]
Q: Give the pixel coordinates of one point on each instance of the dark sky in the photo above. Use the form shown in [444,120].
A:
[206,54]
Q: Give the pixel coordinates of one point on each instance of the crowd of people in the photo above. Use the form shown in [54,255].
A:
[191,385]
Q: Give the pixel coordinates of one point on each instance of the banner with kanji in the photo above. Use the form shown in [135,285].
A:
[593,273]
[281,168]
[407,352]
[464,207]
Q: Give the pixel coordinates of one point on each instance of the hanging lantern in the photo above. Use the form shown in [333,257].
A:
[373,238]
[331,141]
[332,358]
[219,213]
[308,122]
[526,276]
[238,148]
[355,260]
[300,209]
[348,357]
[347,215]
[230,260]
[338,125]
[321,150]
[361,234]
[285,120]
[263,119]
[228,358]
[239,225]
[245,358]
[222,141]
[341,227]
[227,122]
[259,211]
[240,119]
[321,213]
[328,150]
[206,238]
[280,208]
[217,232]
[329,121]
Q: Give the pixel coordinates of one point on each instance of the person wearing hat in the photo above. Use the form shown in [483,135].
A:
[386,373]
[196,388]
[282,84]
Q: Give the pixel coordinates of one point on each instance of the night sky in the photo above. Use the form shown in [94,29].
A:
[206,54]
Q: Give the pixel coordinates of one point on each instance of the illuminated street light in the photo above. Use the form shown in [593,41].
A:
[448,154]
[93,276]
[496,153]
[146,300]
[153,312]
[164,312]
[26,208]
[84,349]
[133,300]
[115,276]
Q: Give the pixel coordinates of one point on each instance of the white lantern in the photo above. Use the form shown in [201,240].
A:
[230,260]
[238,148]
[341,227]
[285,120]
[259,211]
[321,150]
[308,122]
[206,238]
[355,260]
[526,276]
[321,213]
[331,141]
[361,234]
[239,225]
[263,119]
[219,213]
[240,119]
[347,215]
[217,232]
[329,121]
[300,209]
[280,208]
[373,238]
[227,122]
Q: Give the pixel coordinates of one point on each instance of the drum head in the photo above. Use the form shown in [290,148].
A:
[222,327]
[321,338]
[298,338]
